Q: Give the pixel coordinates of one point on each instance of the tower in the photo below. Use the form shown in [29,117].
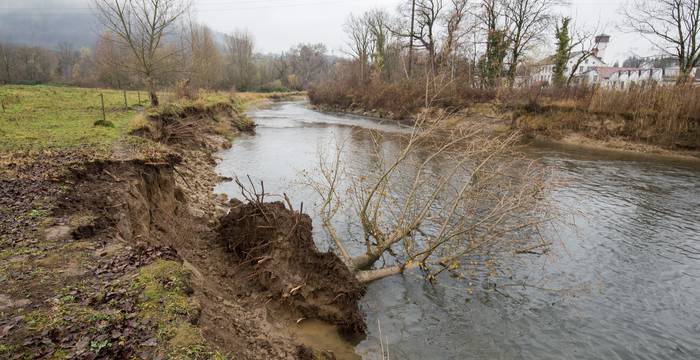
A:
[601,44]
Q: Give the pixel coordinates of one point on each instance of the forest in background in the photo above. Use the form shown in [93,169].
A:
[193,52]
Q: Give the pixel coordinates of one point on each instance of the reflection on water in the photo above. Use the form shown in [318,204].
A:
[624,283]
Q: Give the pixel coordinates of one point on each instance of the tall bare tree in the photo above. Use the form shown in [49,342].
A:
[528,20]
[240,47]
[360,42]
[204,56]
[67,57]
[378,22]
[309,63]
[584,41]
[454,31]
[110,57]
[426,15]
[6,60]
[143,25]
[673,26]
[495,27]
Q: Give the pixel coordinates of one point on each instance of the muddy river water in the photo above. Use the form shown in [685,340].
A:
[623,283]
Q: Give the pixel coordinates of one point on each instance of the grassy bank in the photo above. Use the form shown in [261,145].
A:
[62,118]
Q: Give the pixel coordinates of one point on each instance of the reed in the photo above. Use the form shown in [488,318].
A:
[668,116]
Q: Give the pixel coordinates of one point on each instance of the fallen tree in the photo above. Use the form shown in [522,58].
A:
[445,195]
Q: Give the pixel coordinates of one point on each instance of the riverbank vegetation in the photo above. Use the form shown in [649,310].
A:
[456,57]
[665,116]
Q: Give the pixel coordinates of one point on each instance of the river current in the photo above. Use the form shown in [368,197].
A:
[621,282]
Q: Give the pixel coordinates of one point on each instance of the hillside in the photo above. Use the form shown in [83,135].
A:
[47,23]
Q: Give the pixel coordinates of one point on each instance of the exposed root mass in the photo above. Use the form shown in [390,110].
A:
[276,244]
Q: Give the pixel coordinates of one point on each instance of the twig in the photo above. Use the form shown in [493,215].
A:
[530,249]
[289,203]
[183,178]
[112,176]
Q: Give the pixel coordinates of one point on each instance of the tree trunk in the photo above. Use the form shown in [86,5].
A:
[152,94]
[368,276]
[366,261]
[683,76]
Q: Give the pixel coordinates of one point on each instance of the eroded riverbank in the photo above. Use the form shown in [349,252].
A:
[116,253]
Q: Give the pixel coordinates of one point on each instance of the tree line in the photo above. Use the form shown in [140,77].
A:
[140,50]
[483,42]
[490,43]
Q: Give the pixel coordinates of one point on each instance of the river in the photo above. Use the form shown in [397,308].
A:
[622,283]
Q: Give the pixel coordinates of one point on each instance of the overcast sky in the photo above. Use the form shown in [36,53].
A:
[279,24]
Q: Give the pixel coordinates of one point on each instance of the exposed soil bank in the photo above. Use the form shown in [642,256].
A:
[122,257]
[560,125]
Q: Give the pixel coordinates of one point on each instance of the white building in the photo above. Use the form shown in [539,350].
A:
[594,71]
[544,70]
[624,78]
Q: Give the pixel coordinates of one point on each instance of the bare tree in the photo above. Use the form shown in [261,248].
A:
[378,23]
[528,20]
[360,40]
[453,29]
[673,26]
[587,47]
[6,56]
[142,25]
[495,26]
[239,58]
[426,15]
[204,56]
[308,63]
[110,59]
[442,197]
[67,57]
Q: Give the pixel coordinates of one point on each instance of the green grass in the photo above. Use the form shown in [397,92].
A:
[51,117]
[41,117]
[167,300]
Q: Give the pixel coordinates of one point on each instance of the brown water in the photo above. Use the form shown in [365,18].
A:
[623,284]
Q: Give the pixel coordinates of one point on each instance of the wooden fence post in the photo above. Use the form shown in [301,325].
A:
[126,103]
[102,99]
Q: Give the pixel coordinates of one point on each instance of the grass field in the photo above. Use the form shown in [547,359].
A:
[43,116]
